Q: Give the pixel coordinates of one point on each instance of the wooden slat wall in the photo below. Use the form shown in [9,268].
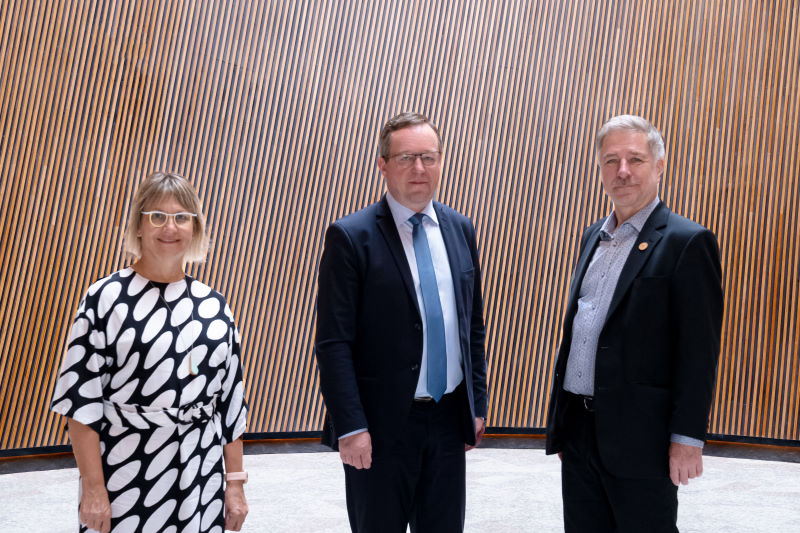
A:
[273,110]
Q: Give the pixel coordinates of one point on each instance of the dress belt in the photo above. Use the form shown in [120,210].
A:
[144,417]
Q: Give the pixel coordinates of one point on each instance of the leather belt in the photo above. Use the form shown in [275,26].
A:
[587,402]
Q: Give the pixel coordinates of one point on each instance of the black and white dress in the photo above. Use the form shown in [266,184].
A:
[154,368]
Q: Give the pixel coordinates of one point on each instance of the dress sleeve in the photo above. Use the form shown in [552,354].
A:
[233,408]
[79,389]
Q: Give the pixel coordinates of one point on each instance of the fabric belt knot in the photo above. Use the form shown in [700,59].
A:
[434,319]
[145,417]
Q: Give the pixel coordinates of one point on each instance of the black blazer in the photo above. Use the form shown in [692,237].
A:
[658,349]
[369,328]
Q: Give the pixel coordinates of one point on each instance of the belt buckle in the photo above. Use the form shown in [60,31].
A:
[588,403]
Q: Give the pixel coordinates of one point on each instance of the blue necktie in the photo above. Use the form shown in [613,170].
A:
[434,320]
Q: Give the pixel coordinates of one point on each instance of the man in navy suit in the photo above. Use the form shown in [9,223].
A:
[635,372]
[400,343]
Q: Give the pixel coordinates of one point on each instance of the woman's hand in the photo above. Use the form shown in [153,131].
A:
[235,505]
[95,509]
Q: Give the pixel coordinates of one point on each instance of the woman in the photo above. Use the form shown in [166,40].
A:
[152,382]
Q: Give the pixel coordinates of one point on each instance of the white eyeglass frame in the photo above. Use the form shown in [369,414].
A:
[168,215]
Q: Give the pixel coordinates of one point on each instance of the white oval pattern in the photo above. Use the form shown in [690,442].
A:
[161,460]
[123,450]
[108,296]
[189,504]
[123,374]
[158,349]
[133,359]
[161,487]
[115,321]
[181,312]
[217,329]
[188,335]
[124,503]
[154,325]
[145,304]
[123,475]
[209,308]
[124,344]
[159,518]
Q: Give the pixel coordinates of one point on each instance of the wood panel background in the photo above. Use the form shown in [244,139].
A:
[273,108]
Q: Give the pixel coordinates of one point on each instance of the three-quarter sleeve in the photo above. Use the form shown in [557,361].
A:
[233,408]
[79,389]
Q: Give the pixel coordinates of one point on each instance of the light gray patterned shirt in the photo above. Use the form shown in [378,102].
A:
[594,299]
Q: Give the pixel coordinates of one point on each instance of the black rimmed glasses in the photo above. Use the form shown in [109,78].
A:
[429,159]
[159,218]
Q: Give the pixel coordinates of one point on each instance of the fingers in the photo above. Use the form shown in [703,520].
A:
[356,450]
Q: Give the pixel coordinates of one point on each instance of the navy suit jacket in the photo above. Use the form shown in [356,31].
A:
[658,349]
[369,327]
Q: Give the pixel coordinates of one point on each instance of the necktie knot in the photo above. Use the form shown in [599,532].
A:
[416,219]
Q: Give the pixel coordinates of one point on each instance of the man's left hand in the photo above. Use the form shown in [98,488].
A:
[480,427]
[685,462]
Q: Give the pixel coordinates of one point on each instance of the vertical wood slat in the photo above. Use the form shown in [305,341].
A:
[273,110]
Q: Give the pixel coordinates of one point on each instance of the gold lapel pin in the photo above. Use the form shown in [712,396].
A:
[643,246]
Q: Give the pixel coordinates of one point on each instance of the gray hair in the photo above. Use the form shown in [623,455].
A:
[155,187]
[399,122]
[633,123]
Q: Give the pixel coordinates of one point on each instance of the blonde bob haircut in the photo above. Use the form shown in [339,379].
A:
[153,189]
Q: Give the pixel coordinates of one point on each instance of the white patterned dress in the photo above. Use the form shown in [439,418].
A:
[127,374]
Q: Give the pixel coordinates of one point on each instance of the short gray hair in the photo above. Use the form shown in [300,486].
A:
[399,122]
[633,123]
[155,187]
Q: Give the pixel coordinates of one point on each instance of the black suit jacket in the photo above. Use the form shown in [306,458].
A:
[369,327]
[658,349]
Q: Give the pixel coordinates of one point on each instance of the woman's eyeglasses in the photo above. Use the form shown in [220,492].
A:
[159,218]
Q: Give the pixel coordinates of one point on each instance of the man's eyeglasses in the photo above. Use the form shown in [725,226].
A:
[429,159]
[159,218]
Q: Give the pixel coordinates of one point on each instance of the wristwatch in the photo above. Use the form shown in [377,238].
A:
[236,476]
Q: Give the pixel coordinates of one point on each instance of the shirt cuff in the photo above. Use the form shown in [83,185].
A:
[356,432]
[683,439]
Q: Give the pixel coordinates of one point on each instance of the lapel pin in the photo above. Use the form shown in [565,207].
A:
[643,246]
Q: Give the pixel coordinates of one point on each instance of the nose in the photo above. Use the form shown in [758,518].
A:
[624,170]
[418,163]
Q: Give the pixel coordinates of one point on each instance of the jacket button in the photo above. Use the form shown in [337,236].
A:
[415,368]
[417,326]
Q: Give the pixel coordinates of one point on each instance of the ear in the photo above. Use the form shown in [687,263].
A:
[381,162]
[660,168]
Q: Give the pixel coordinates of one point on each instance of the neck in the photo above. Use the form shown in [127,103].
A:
[163,272]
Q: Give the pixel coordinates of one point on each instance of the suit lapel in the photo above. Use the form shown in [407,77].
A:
[388,228]
[650,234]
[583,264]
[451,243]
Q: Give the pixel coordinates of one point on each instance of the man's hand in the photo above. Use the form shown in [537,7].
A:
[356,450]
[235,505]
[480,427]
[685,462]
[95,509]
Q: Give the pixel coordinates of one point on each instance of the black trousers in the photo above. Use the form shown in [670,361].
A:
[595,501]
[420,480]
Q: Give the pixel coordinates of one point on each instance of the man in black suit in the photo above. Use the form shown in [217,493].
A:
[400,343]
[635,372]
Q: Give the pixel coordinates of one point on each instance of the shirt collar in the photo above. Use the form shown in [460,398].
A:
[636,221]
[401,213]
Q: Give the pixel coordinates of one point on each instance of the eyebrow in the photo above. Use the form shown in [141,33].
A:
[615,154]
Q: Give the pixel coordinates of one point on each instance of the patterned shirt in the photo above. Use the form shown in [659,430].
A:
[595,296]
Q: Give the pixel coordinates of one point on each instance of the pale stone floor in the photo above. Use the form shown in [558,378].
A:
[509,490]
